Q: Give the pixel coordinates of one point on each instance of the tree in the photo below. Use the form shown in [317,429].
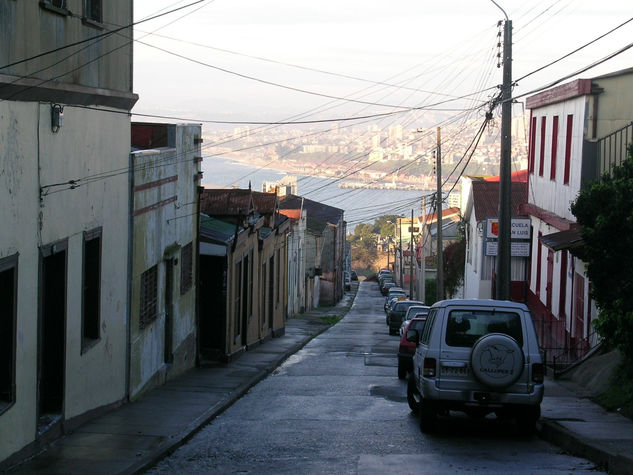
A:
[453,259]
[363,243]
[605,212]
[385,225]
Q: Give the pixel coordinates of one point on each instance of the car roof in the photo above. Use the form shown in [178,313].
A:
[481,303]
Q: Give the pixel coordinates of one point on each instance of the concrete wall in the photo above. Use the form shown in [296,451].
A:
[296,266]
[164,217]
[28,29]
[90,145]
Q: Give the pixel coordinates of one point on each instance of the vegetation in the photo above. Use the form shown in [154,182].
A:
[364,247]
[331,319]
[619,396]
[453,259]
[605,212]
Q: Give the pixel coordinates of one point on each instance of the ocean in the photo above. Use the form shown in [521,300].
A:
[360,205]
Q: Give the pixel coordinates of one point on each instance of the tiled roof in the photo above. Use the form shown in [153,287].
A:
[223,202]
[520,176]
[486,199]
[446,213]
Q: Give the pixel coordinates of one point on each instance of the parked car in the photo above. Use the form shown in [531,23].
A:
[346,279]
[406,350]
[479,357]
[413,312]
[386,286]
[395,315]
[353,275]
[394,292]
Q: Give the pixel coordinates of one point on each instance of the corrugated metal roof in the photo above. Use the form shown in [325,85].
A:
[563,239]
[216,230]
[486,199]
[264,203]
[222,202]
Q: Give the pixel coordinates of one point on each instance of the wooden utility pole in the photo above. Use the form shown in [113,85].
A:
[400,269]
[411,258]
[505,184]
[440,261]
[422,254]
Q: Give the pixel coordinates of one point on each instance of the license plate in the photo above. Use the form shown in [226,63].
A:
[452,371]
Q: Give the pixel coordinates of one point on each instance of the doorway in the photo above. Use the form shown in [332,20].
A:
[52,335]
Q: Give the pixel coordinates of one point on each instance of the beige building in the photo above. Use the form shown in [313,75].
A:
[64,187]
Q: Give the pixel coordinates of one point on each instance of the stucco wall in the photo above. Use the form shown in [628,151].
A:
[90,144]
[164,178]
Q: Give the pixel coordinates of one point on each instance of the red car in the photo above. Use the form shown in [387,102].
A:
[406,350]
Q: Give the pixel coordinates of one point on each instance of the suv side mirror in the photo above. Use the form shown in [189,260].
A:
[412,336]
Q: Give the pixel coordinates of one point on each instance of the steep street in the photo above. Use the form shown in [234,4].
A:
[337,406]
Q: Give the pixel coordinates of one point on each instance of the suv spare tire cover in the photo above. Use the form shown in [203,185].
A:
[497,360]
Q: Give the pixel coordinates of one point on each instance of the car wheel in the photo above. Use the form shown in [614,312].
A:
[497,360]
[526,420]
[413,395]
[402,371]
[428,416]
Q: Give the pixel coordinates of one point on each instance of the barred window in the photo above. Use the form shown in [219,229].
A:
[149,296]
[186,268]
[92,10]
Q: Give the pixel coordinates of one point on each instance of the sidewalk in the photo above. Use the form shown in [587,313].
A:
[584,429]
[135,436]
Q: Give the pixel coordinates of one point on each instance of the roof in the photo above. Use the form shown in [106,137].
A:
[264,203]
[216,230]
[486,198]
[520,176]
[223,202]
[446,213]
[314,209]
[568,239]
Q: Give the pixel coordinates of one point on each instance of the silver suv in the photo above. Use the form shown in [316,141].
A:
[479,357]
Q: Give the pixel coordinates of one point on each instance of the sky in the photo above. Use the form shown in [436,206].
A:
[218,58]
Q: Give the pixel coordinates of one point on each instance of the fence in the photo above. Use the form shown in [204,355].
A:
[612,149]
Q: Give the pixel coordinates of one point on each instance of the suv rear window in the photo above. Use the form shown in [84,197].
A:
[465,327]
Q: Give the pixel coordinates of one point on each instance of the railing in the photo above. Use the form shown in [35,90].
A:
[567,357]
[612,149]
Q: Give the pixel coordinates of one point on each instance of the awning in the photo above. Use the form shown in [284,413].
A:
[559,241]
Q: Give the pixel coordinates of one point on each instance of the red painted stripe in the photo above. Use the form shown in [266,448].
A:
[155,206]
[154,184]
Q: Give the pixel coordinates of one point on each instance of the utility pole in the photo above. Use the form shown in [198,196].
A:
[400,269]
[440,261]
[411,258]
[422,255]
[505,184]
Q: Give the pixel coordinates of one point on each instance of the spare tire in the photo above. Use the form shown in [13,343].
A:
[497,360]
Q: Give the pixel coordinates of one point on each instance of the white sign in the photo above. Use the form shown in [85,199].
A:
[519,228]
[517,248]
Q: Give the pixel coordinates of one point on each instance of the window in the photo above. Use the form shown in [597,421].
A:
[465,327]
[55,6]
[186,268]
[541,162]
[55,3]
[92,10]
[552,169]
[91,289]
[149,296]
[532,145]
[570,123]
[538,264]
[8,304]
[430,320]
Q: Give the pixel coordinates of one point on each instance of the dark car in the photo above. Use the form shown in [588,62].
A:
[406,350]
[394,292]
[397,312]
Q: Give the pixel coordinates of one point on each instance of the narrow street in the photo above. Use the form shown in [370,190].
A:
[337,406]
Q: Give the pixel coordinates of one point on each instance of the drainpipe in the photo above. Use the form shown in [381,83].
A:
[130,248]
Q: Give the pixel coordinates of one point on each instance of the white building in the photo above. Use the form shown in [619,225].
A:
[569,128]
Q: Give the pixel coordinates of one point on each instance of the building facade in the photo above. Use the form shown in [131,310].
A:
[165,166]
[64,187]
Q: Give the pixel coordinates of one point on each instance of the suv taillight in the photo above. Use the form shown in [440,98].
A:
[429,368]
[538,372]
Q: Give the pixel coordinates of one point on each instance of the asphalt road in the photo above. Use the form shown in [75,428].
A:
[337,406]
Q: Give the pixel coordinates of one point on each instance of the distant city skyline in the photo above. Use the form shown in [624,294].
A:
[432,52]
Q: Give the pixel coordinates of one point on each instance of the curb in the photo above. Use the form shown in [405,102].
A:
[551,431]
